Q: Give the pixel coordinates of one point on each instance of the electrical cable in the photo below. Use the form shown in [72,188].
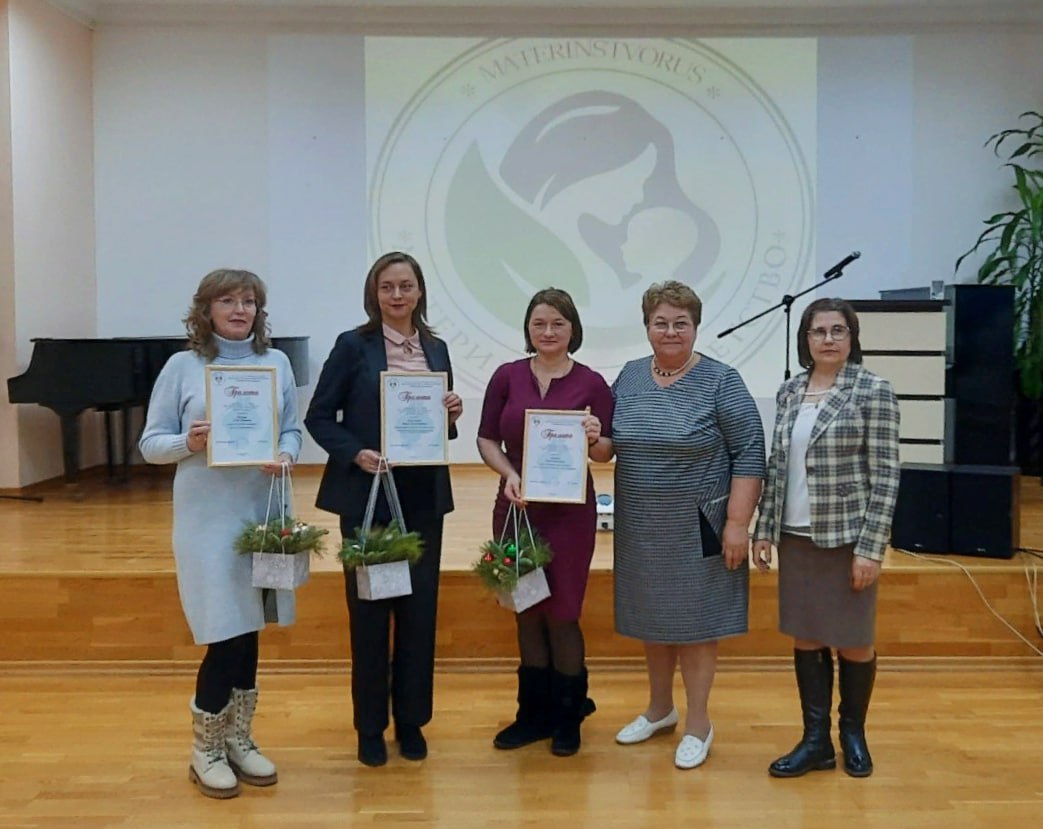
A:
[1033,584]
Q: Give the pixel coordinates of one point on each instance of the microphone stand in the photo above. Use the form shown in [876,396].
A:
[786,304]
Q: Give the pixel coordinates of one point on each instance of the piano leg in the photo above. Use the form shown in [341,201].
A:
[110,462]
[71,446]
[125,437]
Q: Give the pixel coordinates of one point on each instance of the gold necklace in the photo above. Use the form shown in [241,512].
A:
[663,373]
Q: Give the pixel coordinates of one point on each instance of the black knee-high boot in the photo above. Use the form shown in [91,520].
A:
[815,750]
[535,718]
[856,689]
[572,706]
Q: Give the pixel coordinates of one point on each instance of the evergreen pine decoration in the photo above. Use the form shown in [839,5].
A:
[502,563]
[380,546]
[281,535]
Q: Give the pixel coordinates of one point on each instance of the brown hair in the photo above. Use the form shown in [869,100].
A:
[216,284]
[561,302]
[672,293]
[825,305]
[372,304]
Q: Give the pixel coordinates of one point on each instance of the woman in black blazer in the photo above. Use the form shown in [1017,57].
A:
[396,333]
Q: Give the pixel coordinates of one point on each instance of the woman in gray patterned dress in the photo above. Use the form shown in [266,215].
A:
[689,465]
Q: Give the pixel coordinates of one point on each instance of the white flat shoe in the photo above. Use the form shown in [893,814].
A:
[692,751]
[642,728]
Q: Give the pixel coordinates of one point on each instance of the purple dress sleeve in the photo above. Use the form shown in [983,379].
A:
[602,404]
[496,394]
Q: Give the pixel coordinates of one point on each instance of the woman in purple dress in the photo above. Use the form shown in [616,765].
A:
[552,679]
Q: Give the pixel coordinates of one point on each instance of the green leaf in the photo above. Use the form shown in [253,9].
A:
[1024,148]
[517,257]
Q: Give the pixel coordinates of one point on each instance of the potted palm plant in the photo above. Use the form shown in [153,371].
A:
[1012,242]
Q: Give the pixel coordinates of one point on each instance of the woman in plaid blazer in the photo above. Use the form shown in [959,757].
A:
[827,505]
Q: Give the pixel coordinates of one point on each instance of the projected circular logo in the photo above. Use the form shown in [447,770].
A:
[598,166]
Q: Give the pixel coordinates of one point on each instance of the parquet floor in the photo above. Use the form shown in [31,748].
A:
[952,749]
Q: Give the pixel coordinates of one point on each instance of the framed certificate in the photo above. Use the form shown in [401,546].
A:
[414,424]
[554,456]
[243,414]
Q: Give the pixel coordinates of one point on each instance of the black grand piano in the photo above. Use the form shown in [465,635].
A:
[70,376]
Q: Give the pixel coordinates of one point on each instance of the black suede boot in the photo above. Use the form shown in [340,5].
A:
[572,706]
[815,750]
[856,689]
[535,718]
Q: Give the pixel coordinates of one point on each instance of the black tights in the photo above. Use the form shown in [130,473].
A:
[227,665]
[547,643]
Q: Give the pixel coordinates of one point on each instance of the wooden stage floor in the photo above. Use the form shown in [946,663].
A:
[125,528]
[92,580]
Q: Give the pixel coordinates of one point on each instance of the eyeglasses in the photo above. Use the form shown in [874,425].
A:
[680,327]
[838,333]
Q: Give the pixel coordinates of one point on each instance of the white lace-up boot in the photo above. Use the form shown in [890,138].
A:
[209,768]
[245,758]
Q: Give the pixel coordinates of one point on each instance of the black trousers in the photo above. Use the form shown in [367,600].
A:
[411,657]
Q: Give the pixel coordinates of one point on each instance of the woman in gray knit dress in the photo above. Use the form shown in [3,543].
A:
[227,326]
[689,464]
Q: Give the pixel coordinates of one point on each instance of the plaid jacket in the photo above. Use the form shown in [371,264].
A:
[852,462]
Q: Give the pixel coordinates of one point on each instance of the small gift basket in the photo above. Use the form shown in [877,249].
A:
[381,556]
[513,566]
[281,547]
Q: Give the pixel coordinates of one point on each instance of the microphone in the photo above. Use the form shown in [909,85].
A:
[843,263]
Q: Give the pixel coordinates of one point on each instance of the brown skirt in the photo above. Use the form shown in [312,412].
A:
[816,601]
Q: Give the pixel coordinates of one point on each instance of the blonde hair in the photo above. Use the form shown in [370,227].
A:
[216,284]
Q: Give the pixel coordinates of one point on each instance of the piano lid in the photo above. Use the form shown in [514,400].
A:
[84,372]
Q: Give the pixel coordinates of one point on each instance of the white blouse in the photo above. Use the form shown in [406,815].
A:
[796,511]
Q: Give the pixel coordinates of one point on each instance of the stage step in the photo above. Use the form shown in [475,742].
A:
[927,611]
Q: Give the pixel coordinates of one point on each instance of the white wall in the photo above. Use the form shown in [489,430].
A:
[8,340]
[866,123]
[52,175]
[190,125]
[967,88]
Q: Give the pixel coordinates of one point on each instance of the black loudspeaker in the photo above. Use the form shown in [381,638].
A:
[978,432]
[985,510]
[921,519]
[980,343]
[979,381]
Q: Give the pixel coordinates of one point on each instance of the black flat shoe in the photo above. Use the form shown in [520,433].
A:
[411,742]
[372,750]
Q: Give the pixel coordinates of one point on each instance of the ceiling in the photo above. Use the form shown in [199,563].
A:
[564,16]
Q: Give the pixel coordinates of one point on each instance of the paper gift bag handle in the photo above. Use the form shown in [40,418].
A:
[514,513]
[284,481]
[383,477]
